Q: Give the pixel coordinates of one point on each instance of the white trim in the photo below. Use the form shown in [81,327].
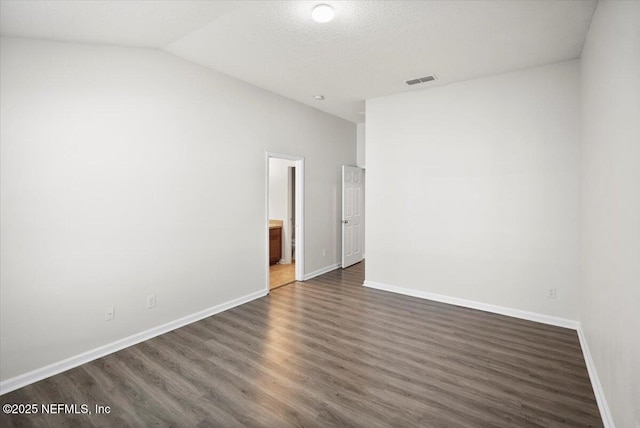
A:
[605,413]
[85,357]
[288,227]
[300,219]
[322,271]
[516,313]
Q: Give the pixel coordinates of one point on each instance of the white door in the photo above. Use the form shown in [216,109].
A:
[352,215]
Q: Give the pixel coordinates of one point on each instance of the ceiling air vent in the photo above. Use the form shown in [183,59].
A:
[421,80]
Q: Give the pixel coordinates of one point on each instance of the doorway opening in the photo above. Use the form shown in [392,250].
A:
[285,219]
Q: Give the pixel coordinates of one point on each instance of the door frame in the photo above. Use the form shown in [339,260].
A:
[299,209]
[291,214]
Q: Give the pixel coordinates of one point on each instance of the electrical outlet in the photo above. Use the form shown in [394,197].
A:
[551,293]
[110,313]
[151,301]
[324,252]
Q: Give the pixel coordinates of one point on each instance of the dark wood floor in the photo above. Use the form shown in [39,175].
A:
[330,352]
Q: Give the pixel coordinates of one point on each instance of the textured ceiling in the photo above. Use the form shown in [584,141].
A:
[143,23]
[368,50]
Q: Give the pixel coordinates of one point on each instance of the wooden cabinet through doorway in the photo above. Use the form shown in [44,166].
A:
[275,245]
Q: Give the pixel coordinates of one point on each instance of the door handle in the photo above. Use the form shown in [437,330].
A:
[345,221]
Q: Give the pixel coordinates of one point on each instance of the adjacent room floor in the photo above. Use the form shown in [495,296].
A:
[281,274]
[329,352]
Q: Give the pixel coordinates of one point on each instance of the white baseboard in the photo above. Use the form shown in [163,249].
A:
[321,271]
[77,360]
[605,413]
[607,419]
[85,357]
[516,313]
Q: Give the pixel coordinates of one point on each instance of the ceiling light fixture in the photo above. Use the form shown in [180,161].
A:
[322,13]
[318,97]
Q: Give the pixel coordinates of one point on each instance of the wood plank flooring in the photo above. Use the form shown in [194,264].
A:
[329,352]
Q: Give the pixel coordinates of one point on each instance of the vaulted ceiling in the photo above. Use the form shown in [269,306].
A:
[368,50]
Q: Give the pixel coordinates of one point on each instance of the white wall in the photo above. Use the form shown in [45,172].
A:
[611,204]
[361,154]
[472,189]
[126,172]
[278,199]
[361,146]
